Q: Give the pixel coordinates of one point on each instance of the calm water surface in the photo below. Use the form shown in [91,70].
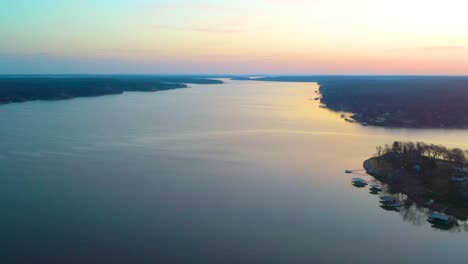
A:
[244,172]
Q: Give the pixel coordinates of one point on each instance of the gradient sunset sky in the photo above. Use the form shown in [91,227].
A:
[234,37]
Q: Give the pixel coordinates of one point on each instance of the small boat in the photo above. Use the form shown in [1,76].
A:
[437,218]
[358,182]
[390,203]
[394,204]
[348,171]
[375,188]
[365,124]
[388,200]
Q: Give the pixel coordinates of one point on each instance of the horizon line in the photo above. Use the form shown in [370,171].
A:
[226,74]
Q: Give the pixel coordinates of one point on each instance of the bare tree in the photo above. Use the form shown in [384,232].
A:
[432,149]
[440,152]
[421,148]
[457,156]
[380,151]
[396,147]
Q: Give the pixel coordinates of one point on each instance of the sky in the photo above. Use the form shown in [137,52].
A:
[234,37]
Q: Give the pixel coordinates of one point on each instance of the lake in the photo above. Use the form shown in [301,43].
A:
[243,172]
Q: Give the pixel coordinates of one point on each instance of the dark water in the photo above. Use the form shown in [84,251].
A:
[245,172]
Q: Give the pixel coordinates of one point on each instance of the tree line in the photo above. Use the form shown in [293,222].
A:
[416,151]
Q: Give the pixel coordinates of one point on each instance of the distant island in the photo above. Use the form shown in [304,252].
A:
[431,175]
[25,88]
[392,101]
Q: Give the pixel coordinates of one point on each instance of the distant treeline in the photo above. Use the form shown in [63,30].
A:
[20,89]
[417,151]
[324,78]
[411,102]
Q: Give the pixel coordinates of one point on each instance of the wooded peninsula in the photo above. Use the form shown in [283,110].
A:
[20,89]
[431,175]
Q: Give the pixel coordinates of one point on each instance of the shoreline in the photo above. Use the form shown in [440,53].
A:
[412,188]
[24,89]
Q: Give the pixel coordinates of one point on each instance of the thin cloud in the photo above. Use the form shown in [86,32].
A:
[195,7]
[123,50]
[210,30]
[431,48]
[25,55]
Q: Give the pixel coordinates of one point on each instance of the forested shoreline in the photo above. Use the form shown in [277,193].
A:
[21,89]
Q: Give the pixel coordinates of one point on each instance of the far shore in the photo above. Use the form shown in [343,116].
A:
[49,88]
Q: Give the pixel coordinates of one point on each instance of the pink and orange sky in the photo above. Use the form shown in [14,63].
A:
[235,37]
